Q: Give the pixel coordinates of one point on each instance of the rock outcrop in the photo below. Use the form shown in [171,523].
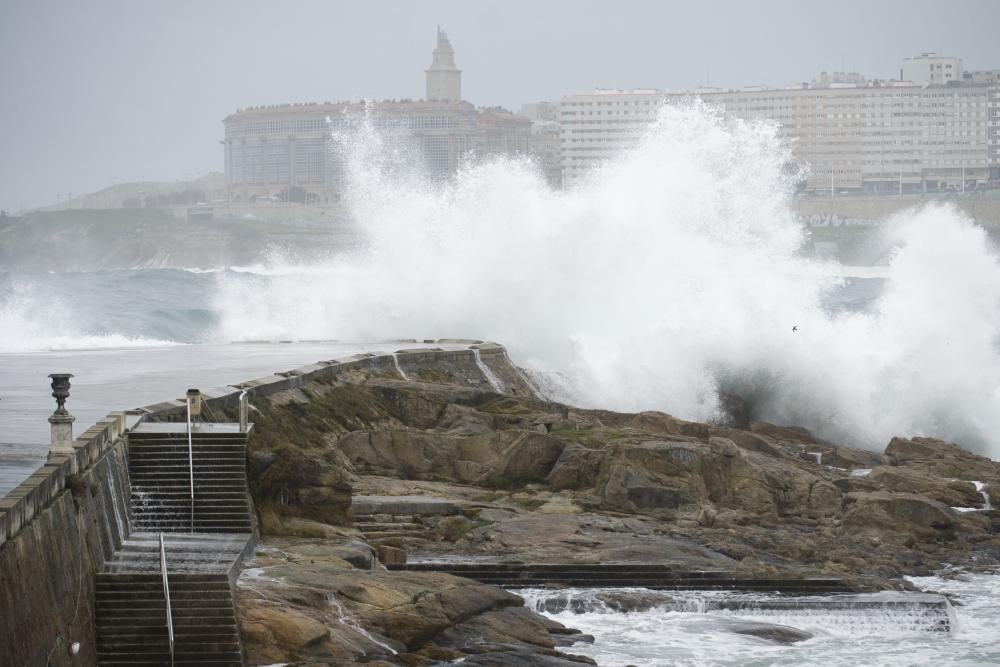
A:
[535,481]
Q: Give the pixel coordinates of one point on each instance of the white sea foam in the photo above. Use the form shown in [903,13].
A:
[684,633]
[667,275]
[30,322]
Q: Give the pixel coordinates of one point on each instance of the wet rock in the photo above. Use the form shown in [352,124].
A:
[944,459]
[856,485]
[275,633]
[504,655]
[355,553]
[569,640]
[502,459]
[906,513]
[779,634]
[953,493]
[795,434]
[512,625]
[576,468]
[389,555]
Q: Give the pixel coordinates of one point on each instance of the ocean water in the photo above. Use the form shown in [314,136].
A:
[694,638]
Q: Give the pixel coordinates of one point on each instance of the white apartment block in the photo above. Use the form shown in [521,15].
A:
[865,137]
[931,68]
[599,126]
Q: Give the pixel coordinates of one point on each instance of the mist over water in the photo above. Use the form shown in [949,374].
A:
[668,275]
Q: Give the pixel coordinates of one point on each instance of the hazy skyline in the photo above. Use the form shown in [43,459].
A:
[108,91]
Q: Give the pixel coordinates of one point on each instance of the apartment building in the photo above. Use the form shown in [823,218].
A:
[852,135]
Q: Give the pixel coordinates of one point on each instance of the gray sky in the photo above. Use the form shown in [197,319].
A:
[103,90]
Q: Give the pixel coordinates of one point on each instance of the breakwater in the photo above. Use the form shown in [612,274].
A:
[64,524]
[92,502]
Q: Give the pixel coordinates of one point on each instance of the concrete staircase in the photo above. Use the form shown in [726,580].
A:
[161,485]
[132,619]
[205,543]
[381,527]
[615,575]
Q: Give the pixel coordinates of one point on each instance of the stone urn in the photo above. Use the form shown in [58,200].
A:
[60,391]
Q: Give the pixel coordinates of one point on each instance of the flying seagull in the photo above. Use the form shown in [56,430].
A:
[795,328]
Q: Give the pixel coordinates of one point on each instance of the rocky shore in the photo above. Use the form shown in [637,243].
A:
[502,475]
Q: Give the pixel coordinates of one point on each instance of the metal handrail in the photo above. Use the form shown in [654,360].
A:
[244,414]
[190,458]
[166,595]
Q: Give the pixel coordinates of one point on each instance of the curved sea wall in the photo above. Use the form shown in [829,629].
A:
[57,529]
[60,526]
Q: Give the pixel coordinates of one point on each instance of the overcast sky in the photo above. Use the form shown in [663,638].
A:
[98,91]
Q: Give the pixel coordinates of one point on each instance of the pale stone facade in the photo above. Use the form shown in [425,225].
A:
[444,79]
[853,137]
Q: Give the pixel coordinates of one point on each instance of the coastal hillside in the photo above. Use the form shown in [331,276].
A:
[450,460]
[132,238]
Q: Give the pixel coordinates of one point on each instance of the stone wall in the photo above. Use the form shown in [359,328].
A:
[981,207]
[56,531]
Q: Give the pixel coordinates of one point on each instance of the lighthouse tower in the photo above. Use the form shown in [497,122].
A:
[444,80]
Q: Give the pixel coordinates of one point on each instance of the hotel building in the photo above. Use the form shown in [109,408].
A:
[291,150]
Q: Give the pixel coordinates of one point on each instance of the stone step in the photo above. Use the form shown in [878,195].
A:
[156,593]
[196,615]
[184,473]
[189,646]
[106,577]
[202,508]
[202,591]
[366,526]
[167,528]
[214,511]
[149,521]
[220,659]
[148,483]
[216,633]
[145,495]
[179,561]
[188,626]
[214,590]
[181,436]
[385,534]
[174,468]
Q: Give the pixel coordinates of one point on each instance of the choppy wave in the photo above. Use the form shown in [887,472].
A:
[863,637]
[668,275]
[109,310]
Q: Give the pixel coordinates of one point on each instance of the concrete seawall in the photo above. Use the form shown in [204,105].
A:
[60,526]
[57,529]
[981,207]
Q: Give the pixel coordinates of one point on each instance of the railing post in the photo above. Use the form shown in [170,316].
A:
[166,596]
[193,400]
[244,411]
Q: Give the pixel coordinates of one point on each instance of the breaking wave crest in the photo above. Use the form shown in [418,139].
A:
[670,274]
[33,320]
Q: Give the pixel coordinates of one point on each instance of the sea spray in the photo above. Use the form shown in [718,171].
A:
[670,273]
[697,627]
[349,621]
[103,310]
[981,488]
[490,376]
[399,369]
